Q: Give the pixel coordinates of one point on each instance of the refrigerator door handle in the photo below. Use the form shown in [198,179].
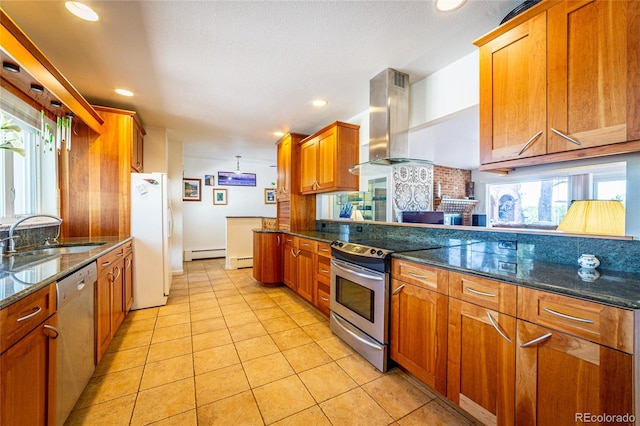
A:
[170,221]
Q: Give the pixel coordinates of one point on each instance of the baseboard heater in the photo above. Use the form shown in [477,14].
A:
[190,255]
[239,262]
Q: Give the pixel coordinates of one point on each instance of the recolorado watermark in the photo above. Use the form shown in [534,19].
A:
[604,418]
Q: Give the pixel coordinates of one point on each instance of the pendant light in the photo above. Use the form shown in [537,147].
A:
[237,165]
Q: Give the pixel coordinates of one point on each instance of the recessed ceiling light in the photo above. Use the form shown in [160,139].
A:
[82,11]
[320,103]
[11,67]
[124,92]
[449,5]
[37,88]
[279,134]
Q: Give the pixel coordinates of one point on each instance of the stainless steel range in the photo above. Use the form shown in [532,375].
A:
[360,295]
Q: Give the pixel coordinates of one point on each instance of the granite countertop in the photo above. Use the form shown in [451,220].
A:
[23,281]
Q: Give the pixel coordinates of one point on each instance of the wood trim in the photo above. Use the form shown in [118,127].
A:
[20,47]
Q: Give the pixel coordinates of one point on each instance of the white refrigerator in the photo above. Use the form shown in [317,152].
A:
[151,227]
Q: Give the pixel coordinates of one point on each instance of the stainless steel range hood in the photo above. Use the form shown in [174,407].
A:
[388,123]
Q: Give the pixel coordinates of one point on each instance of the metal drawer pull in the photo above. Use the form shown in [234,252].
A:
[529,142]
[398,290]
[481,293]
[588,321]
[324,271]
[338,322]
[360,274]
[536,340]
[324,299]
[414,275]
[562,135]
[498,329]
[52,328]
[278,239]
[32,314]
[295,254]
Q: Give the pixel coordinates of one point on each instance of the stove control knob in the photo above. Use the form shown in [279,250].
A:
[373,251]
[380,252]
[340,244]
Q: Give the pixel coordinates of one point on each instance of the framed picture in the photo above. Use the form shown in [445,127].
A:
[269,196]
[209,180]
[236,179]
[219,196]
[191,189]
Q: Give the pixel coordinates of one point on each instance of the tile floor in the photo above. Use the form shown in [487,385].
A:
[227,351]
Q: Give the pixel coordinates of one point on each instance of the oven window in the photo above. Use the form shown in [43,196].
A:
[355,297]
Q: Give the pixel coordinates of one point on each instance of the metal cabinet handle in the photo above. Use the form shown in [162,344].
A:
[562,135]
[119,271]
[360,274]
[324,299]
[588,321]
[294,253]
[497,327]
[481,293]
[106,263]
[338,322]
[414,275]
[529,142]
[52,328]
[398,290]
[536,340]
[324,271]
[120,254]
[36,311]
[278,239]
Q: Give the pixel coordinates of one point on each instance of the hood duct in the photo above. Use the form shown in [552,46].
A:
[388,122]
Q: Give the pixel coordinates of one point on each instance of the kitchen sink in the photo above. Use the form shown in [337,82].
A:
[66,248]
[32,256]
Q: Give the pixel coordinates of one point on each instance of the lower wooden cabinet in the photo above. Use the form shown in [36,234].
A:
[128,278]
[110,298]
[290,265]
[267,257]
[306,274]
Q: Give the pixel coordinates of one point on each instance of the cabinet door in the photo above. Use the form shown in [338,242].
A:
[267,257]
[28,377]
[481,362]
[513,99]
[560,377]
[326,170]
[128,282]
[284,169]
[419,332]
[103,314]
[290,266]
[592,68]
[118,307]
[309,164]
[306,275]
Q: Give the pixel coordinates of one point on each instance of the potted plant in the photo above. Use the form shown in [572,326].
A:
[10,136]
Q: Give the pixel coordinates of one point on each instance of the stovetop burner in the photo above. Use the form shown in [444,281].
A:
[379,249]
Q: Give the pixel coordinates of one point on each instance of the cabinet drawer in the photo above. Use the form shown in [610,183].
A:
[323,249]
[19,318]
[323,272]
[593,321]
[322,301]
[424,276]
[128,247]
[308,245]
[106,262]
[490,294]
[290,240]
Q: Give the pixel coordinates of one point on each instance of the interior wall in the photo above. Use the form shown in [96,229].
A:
[204,223]
[175,167]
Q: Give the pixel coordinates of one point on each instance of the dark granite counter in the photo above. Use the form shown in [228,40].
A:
[616,288]
[22,281]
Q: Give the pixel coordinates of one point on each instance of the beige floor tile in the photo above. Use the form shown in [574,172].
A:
[267,369]
[137,325]
[335,347]
[208,325]
[282,398]
[247,331]
[255,348]
[224,284]
[201,281]
[211,339]
[262,304]
[167,371]
[245,289]
[122,360]
[291,338]
[215,358]
[110,386]
[171,333]
[269,313]
[306,356]
[233,300]
[206,314]
[125,341]
[306,317]
[235,308]
[169,349]
[174,319]
[257,297]
[180,293]
[275,325]
[115,412]
[360,370]
[204,304]
[434,413]
[220,384]
[175,300]
[240,409]
[142,314]
[193,298]
[312,416]
[319,330]
[241,318]
[355,407]
[227,293]
[326,381]
[199,290]
[163,402]
[396,395]
[293,307]
[188,418]
[178,308]
[282,297]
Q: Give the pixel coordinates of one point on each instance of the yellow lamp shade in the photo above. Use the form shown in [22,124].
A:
[601,217]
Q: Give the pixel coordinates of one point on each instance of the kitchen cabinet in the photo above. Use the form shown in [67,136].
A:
[323,277]
[418,324]
[110,298]
[127,275]
[295,211]
[267,257]
[298,266]
[326,157]
[481,347]
[560,82]
[290,262]
[585,347]
[28,359]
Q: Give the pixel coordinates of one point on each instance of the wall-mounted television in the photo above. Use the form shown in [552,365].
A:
[236,179]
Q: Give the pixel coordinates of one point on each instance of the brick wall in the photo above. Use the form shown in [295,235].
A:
[452,181]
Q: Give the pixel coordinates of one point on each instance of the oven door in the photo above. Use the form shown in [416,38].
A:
[359,295]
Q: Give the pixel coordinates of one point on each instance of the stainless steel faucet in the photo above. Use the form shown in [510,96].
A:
[11,238]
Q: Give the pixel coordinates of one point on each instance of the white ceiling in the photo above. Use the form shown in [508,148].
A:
[223,76]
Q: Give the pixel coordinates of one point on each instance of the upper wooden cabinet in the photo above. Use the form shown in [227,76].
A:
[126,133]
[326,157]
[560,82]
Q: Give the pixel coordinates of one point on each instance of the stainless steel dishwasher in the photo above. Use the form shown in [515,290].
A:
[76,342]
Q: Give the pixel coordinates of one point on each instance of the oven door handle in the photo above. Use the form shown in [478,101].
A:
[360,274]
[338,321]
